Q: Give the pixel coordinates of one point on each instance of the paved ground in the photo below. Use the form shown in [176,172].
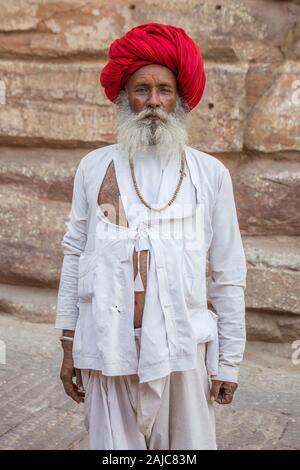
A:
[35,413]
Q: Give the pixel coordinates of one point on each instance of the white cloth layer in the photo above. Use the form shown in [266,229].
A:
[170,413]
[149,172]
[96,292]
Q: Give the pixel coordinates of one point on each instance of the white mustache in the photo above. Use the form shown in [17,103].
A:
[136,132]
[153,113]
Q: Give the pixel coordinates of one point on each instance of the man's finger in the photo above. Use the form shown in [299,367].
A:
[226,393]
[225,398]
[79,380]
[79,396]
[71,388]
[215,389]
[74,393]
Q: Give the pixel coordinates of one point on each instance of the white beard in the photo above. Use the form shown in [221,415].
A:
[136,132]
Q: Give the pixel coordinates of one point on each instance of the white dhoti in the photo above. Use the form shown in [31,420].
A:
[169,413]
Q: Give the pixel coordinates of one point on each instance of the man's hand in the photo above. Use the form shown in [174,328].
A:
[67,372]
[222,392]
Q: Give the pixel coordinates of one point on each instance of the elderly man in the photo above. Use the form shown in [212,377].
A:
[148,215]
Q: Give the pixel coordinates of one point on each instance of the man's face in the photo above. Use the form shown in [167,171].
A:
[151,112]
[152,86]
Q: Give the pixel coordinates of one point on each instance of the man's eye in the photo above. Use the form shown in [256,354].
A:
[141,89]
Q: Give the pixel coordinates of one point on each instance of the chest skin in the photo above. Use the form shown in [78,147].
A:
[111,204]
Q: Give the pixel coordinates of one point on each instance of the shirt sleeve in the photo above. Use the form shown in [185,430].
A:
[228,281]
[73,244]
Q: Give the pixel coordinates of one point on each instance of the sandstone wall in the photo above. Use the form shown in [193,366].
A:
[53,111]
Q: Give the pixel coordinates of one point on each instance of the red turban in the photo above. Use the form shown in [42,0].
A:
[155,43]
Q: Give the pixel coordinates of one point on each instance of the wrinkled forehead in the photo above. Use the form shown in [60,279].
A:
[154,74]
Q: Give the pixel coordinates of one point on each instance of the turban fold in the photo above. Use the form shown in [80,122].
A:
[155,43]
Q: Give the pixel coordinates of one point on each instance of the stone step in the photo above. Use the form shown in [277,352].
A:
[267,193]
[66,107]
[36,413]
[231,31]
[45,173]
[29,303]
[273,279]
[272,293]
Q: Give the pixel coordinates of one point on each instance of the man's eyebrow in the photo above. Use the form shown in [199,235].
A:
[147,84]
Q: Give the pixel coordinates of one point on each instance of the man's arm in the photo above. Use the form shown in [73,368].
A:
[228,282]
[73,244]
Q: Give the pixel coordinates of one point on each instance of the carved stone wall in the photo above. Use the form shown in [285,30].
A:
[52,111]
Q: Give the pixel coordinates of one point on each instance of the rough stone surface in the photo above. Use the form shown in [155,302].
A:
[217,124]
[272,327]
[54,103]
[273,124]
[273,274]
[234,30]
[29,303]
[64,105]
[44,172]
[36,414]
[53,111]
[32,230]
[268,196]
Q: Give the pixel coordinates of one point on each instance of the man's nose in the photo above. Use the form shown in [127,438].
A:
[154,99]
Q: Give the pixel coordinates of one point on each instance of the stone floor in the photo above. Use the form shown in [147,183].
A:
[36,414]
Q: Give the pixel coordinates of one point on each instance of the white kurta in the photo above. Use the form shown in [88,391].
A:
[157,178]
[96,289]
[120,412]
[149,388]
[172,412]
